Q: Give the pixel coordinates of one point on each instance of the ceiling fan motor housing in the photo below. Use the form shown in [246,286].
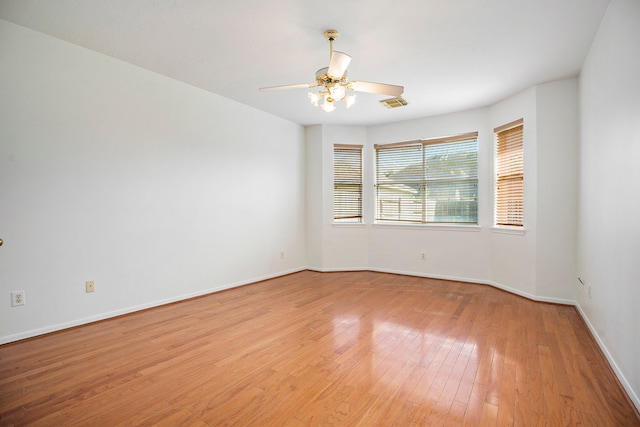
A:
[323,78]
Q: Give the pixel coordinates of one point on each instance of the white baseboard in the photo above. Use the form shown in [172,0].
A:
[453,278]
[623,380]
[127,310]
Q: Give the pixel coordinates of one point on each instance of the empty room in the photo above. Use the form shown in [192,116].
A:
[295,213]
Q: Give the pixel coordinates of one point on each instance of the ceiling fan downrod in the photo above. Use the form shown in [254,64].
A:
[331,35]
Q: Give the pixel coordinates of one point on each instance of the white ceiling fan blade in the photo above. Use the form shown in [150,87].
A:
[379,88]
[338,65]
[296,86]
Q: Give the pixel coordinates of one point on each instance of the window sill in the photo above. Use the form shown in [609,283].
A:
[438,227]
[518,231]
[348,224]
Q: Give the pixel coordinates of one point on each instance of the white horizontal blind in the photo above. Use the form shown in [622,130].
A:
[399,184]
[434,181]
[347,183]
[509,208]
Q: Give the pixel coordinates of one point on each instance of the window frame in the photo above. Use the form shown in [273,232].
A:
[423,182]
[357,216]
[509,170]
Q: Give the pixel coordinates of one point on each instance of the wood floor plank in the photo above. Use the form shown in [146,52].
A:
[349,348]
[552,400]
[521,413]
[489,415]
[507,402]
[537,398]
[475,405]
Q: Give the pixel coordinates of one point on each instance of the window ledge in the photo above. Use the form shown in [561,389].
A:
[348,224]
[439,227]
[518,231]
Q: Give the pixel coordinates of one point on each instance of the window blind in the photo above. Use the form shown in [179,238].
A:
[431,181]
[347,183]
[509,201]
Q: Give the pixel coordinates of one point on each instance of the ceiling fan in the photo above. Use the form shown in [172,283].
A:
[333,82]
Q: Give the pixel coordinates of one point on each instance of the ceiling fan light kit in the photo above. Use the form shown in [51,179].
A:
[334,84]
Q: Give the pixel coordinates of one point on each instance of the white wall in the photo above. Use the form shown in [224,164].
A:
[541,262]
[315,190]
[609,231]
[450,252]
[513,253]
[557,183]
[538,262]
[346,245]
[333,247]
[154,189]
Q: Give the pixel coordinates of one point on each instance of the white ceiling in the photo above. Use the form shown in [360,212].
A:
[450,55]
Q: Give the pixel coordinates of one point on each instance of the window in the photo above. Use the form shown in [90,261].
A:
[347,183]
[509,201]
[430,181]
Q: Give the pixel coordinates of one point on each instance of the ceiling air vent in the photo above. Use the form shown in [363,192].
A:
[394,102]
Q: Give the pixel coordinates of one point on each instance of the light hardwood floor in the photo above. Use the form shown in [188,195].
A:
[347,349]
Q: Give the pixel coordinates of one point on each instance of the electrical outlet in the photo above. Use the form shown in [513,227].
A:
[90,286]
[281,255]
[17,298]
[423,257]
